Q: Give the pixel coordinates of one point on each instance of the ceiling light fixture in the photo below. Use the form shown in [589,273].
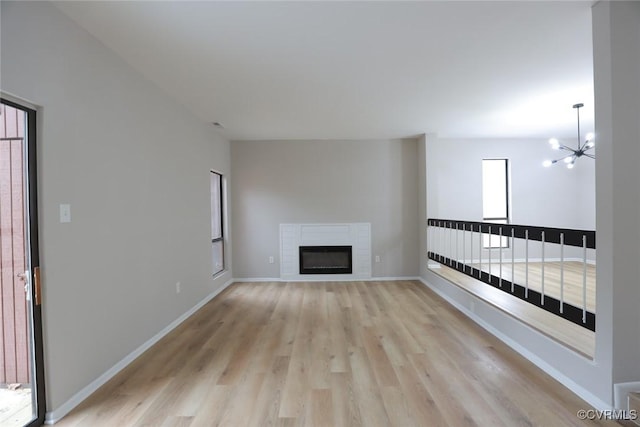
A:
[570,160]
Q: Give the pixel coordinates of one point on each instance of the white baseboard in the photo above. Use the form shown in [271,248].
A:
[584,394]
[57,414]
[621,392]
[257,279]
[392,278]
[278,279]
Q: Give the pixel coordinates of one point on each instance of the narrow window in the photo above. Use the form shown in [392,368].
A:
[495,198]
[217,238]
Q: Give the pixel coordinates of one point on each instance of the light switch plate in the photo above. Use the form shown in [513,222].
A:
[65,213]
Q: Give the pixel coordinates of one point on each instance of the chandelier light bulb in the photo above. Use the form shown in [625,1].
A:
[555,144]
[570,165]
[569,159]
[589,144]
[547,163]
[590,137]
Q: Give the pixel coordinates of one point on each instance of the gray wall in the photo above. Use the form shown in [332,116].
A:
[422,203]
[134,166]
[276,182]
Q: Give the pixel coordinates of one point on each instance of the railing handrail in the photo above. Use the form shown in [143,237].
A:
[572,237]
[585,239]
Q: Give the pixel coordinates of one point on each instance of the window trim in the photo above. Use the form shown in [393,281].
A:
[507,218]
[221,215]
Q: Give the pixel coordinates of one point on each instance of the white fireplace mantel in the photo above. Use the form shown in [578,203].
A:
[357,235]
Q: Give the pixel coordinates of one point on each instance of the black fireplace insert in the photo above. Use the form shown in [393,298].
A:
[325,260]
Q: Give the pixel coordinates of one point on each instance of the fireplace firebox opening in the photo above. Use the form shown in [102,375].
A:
[325,260]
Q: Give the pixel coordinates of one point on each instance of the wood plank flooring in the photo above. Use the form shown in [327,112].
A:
[330,354]
[574,336]
[572,279]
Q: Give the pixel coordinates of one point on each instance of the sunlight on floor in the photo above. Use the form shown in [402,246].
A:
[15,407]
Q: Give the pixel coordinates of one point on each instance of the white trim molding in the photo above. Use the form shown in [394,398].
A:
[621,394]
[62,410]
[278,279]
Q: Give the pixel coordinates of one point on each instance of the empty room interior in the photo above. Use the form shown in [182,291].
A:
[320,213]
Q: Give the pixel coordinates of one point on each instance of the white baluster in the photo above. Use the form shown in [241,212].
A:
[431,239]
[542,272]
[480,251]
[440,241]
[584,279]
[471,247]
[451,255]
[489,277]
[513,259]
[500,240]
[526,263]
[561,272]
[457,247]
[464,247]
[447,242]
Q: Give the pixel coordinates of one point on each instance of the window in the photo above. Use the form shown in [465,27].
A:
[495,198]
[217,238]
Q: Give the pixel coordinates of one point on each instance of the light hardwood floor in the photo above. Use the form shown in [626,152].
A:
[572,279]
[330,354]
[574,336]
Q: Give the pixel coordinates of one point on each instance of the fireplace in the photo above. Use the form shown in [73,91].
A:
[325,260]
[296,240]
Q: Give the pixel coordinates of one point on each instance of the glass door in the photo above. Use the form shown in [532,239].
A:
[21,367]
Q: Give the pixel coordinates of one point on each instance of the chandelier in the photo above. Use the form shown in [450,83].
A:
[575,154]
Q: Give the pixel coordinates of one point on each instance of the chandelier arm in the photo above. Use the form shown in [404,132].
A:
[562,158]
[564,147]
[591,156]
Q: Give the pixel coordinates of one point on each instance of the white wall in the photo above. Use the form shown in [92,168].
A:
[616,41]
[539,196]
[552,197]
[276,182]
[616,34]
[134,166]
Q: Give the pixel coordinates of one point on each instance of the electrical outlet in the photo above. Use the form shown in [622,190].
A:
[271,260]
[377,258]
[178,287]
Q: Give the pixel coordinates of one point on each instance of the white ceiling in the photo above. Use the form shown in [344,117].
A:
[356,70]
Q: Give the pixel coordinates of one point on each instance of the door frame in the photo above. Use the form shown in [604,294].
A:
[31,185]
